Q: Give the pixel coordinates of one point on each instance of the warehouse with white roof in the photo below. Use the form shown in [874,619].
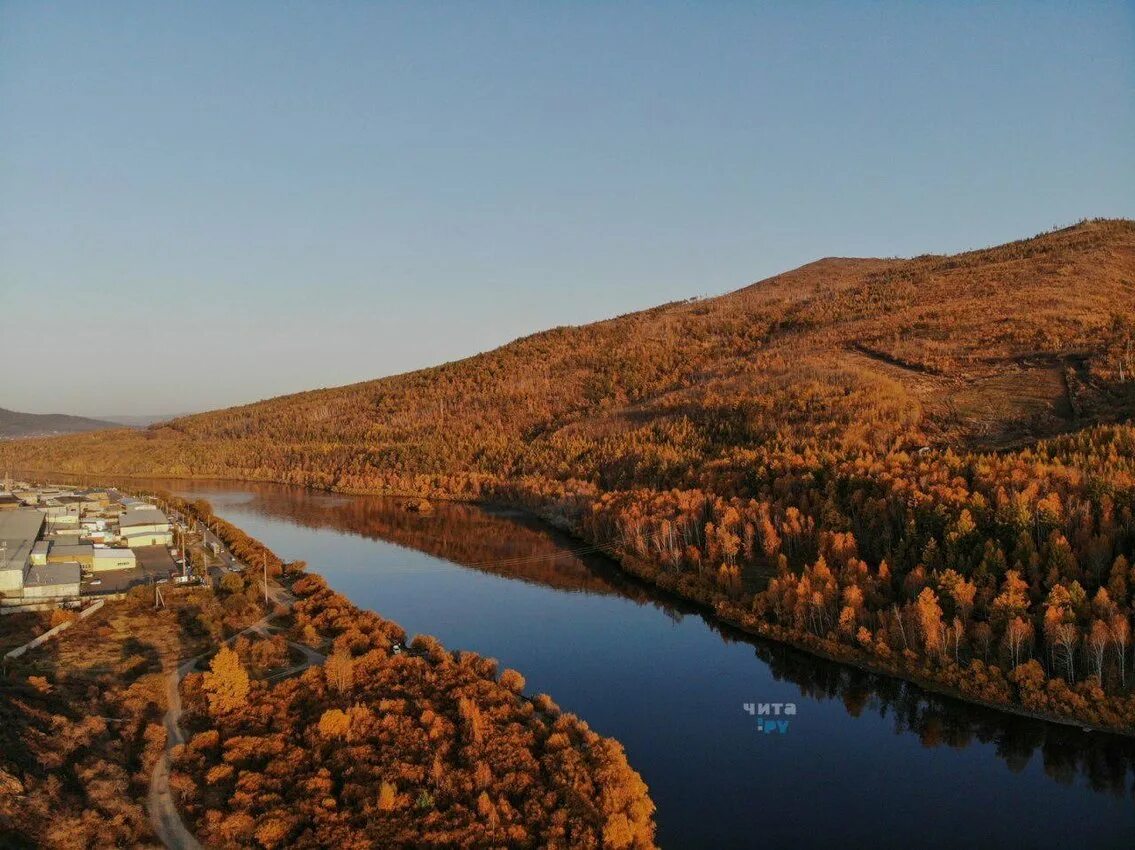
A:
[145,527]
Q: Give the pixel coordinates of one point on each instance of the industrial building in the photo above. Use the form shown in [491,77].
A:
[61,516]
[113,559]
[52,581]
[19,530]
[145,526]
[54,541]
[82,554]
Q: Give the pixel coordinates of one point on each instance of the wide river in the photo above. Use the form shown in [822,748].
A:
[866,761]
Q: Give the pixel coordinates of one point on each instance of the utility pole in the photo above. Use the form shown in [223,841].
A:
[264,561]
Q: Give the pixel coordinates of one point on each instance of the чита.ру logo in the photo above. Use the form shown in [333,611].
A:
[771,716]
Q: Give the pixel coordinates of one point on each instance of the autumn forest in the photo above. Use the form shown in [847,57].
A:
[923,465]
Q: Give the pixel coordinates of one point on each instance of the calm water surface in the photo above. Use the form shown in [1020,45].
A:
[866,761]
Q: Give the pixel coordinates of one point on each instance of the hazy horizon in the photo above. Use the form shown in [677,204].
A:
[205,205]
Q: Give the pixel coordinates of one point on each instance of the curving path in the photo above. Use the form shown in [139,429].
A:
[164,817]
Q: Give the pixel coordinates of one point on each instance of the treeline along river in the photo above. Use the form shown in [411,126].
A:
[865,761]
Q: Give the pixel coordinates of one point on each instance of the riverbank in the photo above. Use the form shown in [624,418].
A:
[668,680]
[445,742]
[635,570]
[978,683]
[866,665]
[426,746]
[729,614]
[726,613]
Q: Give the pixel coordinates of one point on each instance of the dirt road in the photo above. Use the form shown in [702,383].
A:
[164,817]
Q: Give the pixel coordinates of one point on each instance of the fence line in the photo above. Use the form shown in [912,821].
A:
[50,633]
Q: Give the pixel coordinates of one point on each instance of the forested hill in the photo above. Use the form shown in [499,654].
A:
[14,424]
[991,348]
[924,465]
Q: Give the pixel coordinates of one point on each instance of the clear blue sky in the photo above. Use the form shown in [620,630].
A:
[208,203]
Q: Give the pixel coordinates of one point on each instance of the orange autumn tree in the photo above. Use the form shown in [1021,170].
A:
[339,671]
[226,684]
[930,621]
[387,797]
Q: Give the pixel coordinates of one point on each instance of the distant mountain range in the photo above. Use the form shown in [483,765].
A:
[14,424]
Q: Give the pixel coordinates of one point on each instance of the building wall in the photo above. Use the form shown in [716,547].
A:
[41,591]
[70,557]
[161,530]
[149,538]
[120,560]
[154,528]
[11,581]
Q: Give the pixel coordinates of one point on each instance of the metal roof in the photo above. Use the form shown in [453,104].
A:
[143,516]
[72,549]
[19,529]
[51,574]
